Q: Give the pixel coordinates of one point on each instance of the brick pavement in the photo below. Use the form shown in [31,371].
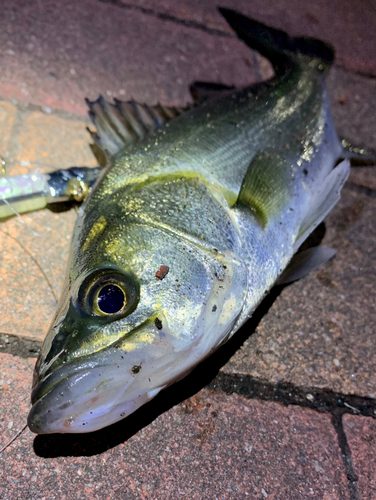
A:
[283,418]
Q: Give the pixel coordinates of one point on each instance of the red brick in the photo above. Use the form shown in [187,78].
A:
[349,25]
[7,116]
[55,54]
[361,436]
[210,446]
[32,250]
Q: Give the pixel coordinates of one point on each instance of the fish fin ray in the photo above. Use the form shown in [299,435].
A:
[323,200]
[124,123]
[265,185]
[304,262]
[275,44]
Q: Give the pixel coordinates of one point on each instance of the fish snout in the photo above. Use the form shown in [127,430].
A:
[77,402]
[91,393]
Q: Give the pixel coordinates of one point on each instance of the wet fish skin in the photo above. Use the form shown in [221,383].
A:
[222,195]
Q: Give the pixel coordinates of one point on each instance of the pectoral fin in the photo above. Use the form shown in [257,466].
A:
[265,186]
[304,262]
[323,200]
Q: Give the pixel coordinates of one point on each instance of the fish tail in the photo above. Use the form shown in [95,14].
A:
[276,45]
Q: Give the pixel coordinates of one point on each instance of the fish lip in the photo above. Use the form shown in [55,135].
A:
[51,379]
[35,418]
[43,388]
[70,400]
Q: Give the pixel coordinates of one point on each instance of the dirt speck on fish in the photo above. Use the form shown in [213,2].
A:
[162,272]
[258,188]
[158,323]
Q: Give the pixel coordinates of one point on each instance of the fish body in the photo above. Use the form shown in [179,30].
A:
[184,234]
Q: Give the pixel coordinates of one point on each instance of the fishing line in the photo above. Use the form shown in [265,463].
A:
[50,281]
[18,433]
[31,255]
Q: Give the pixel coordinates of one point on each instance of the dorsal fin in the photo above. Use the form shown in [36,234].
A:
[123,123]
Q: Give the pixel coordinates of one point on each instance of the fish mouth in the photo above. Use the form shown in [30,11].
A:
[81,397]
[89,394]
[54,405]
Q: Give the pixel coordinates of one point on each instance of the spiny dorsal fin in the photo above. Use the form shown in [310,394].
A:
[265,185]
[123,123]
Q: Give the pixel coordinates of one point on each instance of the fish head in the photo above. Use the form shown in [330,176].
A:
[141,307]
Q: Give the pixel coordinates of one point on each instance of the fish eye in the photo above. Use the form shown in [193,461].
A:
[111,299]
[107,292]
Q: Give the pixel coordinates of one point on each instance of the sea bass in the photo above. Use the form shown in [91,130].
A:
[185,232]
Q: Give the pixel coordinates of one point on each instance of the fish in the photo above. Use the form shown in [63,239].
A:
[198,214]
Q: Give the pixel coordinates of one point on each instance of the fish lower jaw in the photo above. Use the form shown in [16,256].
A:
[95,410]
[91,421]
[74,423]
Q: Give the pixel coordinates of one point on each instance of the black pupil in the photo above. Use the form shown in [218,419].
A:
[111,299]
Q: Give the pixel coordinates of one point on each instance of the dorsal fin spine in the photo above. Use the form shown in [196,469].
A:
[123,123]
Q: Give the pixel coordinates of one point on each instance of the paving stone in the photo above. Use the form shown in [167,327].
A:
[7,116]
[15,384]
[60,71]
[108,50]
[34,252]
[319,332]
[35,248]
[364,177]
[361,437]
[49,142]
[211,445]
[348,26]
[353,100]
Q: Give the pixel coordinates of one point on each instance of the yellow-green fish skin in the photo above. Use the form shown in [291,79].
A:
[221,195]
